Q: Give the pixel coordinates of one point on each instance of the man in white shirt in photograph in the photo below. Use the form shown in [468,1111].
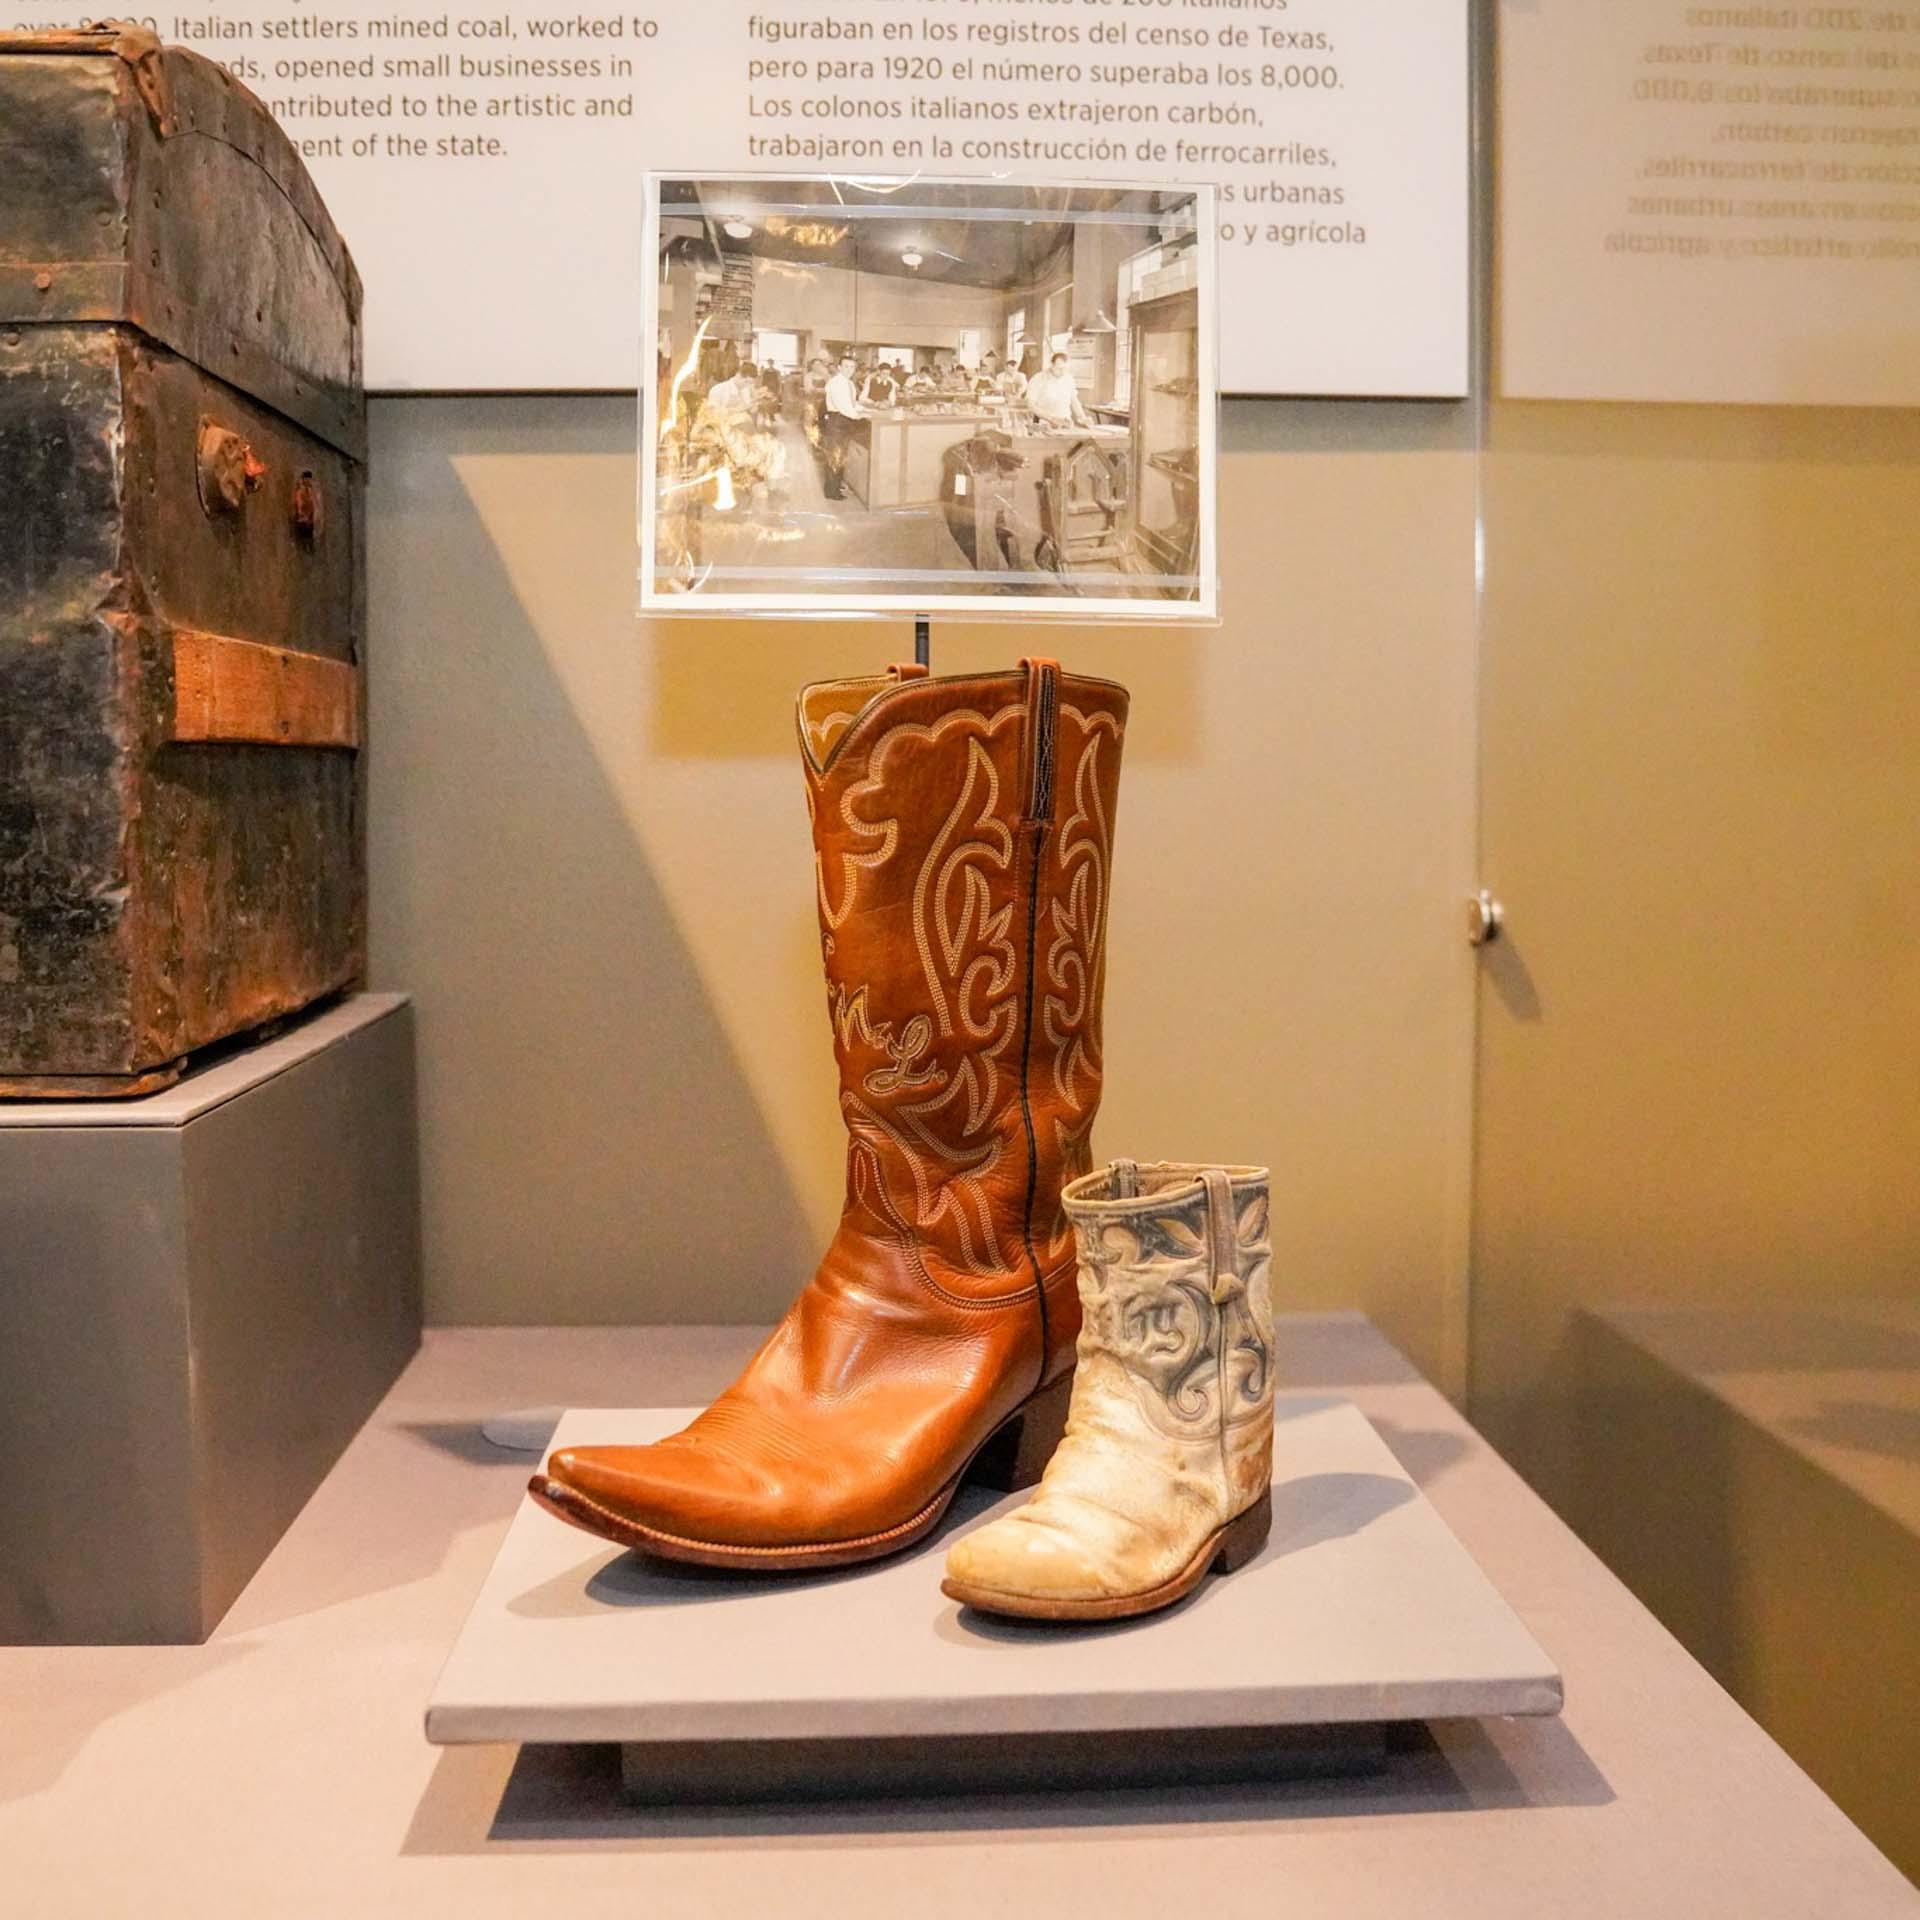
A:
[842,409]
[1054,398]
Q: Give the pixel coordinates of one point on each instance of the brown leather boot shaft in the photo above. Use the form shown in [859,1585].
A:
[963,834]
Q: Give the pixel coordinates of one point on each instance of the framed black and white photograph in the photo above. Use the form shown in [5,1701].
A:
[917,396]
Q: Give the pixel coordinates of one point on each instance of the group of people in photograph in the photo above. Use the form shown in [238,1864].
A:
[1049,390]
[842,391]
[735,422]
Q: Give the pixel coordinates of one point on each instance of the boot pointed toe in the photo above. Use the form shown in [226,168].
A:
[672,1491]
[575,1467]
[611,1477]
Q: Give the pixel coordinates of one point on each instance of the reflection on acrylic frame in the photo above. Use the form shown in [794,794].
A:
[917,396]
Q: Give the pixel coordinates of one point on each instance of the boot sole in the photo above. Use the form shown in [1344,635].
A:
[1238,1542]
[1011,1457]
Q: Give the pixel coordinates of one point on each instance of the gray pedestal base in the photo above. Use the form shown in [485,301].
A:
[202,1296]
[1362,1612]
[667,1773]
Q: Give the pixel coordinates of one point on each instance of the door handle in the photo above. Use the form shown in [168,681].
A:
[1486,919]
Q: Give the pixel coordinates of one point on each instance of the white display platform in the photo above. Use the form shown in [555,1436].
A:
[1363,1610]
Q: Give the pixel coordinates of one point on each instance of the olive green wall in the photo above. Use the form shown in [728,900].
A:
[591,865]
[1700,1044]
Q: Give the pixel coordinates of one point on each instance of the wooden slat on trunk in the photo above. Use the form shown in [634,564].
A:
[225,689]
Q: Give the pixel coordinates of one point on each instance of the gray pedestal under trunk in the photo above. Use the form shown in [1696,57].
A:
[203,1294]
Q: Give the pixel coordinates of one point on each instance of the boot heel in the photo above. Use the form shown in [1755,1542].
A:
[1245,1535]
[1017,1455]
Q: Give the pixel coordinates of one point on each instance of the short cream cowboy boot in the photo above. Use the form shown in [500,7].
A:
[1166,1466]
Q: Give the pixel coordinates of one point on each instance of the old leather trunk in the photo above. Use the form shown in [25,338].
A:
[182,445]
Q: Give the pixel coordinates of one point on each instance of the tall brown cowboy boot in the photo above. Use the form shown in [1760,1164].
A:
[963,834]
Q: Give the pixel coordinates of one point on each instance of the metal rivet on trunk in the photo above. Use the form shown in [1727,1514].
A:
[309,508]
[228,469]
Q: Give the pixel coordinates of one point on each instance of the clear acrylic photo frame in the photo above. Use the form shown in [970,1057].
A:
[960,500]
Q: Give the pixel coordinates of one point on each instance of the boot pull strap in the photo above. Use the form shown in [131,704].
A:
[1223,1239]
[1223,1242]
[1036,743]
[906,670]
[1125,1182]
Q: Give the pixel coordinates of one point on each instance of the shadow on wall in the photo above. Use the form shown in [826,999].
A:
[1504,966]
[582,1111]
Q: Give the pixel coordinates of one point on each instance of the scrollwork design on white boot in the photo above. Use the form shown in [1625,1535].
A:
[1165,1469]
